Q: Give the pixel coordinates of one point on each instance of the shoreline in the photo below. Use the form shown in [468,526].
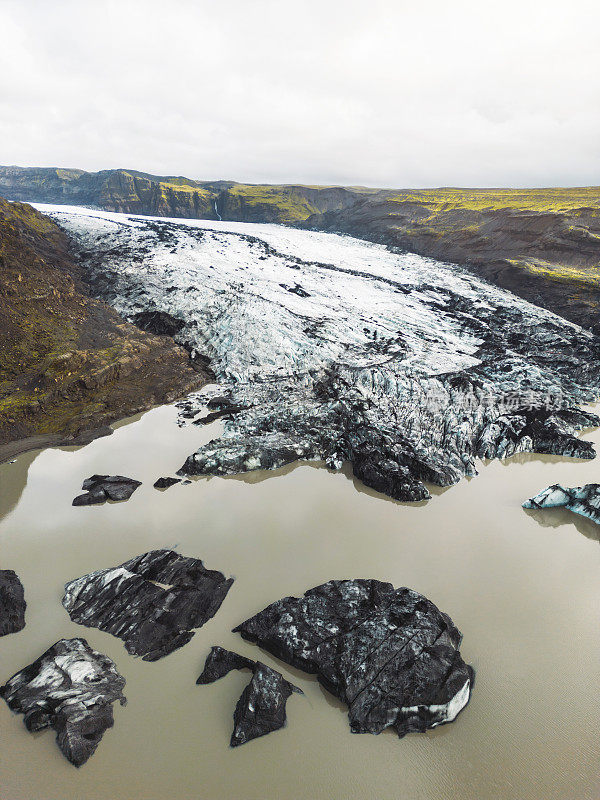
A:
[17,447]
[473,541]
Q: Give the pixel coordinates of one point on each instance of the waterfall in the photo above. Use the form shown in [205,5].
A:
[217,211]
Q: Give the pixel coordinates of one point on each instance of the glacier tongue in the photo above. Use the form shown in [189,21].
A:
[335,349]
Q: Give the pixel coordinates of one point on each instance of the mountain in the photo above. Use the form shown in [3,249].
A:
[542,244]
[135,192]
[69,363]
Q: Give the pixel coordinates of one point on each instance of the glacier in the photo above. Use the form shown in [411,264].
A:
[330,348]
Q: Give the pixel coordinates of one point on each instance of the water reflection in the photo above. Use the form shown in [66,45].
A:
[514,588]
[527,458]
[13,476]
[558,517]
[13,479]
[258,476]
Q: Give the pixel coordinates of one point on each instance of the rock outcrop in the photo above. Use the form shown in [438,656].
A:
[166,483]
[408,368]
[12,603]
[151,602]
[262,705]
[70,688]
[158,322]
[582,500]
[100,488]
[389,654]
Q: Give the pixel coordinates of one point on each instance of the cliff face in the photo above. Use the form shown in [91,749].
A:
[113,190]
[282,204]
[139,194]
[49,185]
[542,244]
[68,363]
[134,192]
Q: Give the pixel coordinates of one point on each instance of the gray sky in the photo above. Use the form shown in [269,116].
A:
[377,92]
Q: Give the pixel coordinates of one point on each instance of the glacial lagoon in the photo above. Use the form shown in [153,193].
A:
[522,587]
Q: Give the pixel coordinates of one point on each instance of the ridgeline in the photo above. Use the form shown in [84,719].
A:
[542,244]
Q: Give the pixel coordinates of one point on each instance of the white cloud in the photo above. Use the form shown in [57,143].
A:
[385,92]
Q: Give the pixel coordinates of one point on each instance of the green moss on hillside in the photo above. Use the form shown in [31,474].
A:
[539,201]
[68,362]
[273,203]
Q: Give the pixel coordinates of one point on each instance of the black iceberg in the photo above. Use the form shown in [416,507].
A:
[12,603]
[166,483]
[261,708]
[70,688]
[151,602]
[100,488]
[390,654]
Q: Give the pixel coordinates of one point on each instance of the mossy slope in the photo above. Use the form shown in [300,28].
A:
[69,363]
[543,244]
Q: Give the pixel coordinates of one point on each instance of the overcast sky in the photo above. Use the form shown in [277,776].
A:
[376,92]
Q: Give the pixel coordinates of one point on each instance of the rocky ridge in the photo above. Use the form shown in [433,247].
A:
[134,192]
[69,364]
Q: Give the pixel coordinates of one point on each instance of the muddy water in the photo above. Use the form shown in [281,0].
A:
[523,588]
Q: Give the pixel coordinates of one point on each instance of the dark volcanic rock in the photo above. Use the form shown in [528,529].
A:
[158,322]
[12,603]
[224,409]
[582,500]
[151,602]
[385,475]
[165,483]
[261,707]
[70,688]
[100,488]
[297,289]
[389,654]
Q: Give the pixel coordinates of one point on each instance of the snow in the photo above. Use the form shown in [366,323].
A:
[228,288]
[333,343]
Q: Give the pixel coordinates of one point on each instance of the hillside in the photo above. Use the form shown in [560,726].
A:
[135,192]
[68,363]
[542,244]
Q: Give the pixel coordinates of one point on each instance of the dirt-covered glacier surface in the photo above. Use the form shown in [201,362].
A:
[329,348]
